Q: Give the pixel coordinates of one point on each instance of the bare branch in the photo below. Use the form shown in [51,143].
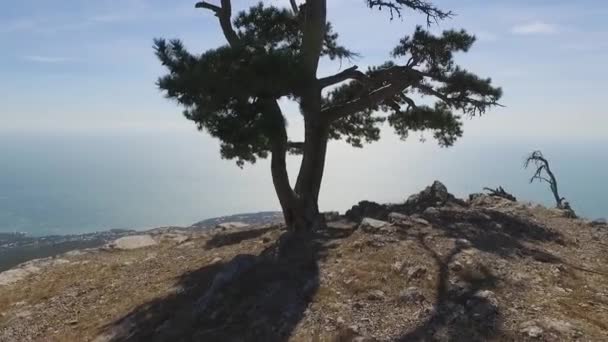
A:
[224,14]
[433,14]
[206,5]
[350,73]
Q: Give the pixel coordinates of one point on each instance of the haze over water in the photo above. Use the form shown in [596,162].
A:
[75,183]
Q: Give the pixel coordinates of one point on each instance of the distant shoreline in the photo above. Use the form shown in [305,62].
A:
[17,248]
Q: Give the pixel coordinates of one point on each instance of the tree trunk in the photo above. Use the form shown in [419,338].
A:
[310,177]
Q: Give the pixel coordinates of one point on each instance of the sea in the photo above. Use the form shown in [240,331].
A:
[75,182]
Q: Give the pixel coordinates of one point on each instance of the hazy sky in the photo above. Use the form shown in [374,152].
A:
[89,65]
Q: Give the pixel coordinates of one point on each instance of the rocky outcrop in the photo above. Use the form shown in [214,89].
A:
[436,195]
[367,209]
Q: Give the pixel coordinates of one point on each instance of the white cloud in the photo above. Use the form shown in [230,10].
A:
[46,59]
[536,27]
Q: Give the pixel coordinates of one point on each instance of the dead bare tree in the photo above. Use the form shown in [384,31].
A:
[543,173]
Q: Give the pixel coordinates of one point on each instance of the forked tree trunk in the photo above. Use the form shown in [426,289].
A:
[300,205]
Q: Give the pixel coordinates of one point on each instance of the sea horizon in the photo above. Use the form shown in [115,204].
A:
[61,184]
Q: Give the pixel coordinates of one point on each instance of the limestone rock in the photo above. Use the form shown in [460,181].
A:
[395,217]
[231,225]
[370,225]
[133,242]
[411,295]
[376,295]
[531,330]
[416,272]
[12,276]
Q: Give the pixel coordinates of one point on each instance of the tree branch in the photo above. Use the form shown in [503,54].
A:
[371,99]
[398,78]
[224,14]
[430,91]
[350,73]
[295,144]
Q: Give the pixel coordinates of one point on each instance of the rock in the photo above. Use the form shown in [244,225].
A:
[133,242]
[484,309]
[476,196]
[456,266]
[395,217]
[215,260]
[532,330]
[599,222]
[331,216]
[370,225]
[416,272]
[419,220]
[433,196]
[367,209]
[462,243]
[431,211]
[376,295]
[397,266]
[560,326]
[411,295]
[14,275]
[178,238]
[232,225]
[186,245]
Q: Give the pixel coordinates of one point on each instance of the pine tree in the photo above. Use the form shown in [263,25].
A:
[274,52]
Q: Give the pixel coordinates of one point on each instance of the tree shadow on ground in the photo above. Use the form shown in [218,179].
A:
[231,238]
[464,307]
[496,232]
[250,298]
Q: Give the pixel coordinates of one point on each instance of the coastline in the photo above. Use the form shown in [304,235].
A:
[17,248]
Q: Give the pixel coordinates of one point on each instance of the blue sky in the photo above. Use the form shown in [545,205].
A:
[89,66]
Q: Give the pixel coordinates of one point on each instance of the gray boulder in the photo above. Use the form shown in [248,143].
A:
[370,225]
[133,242]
